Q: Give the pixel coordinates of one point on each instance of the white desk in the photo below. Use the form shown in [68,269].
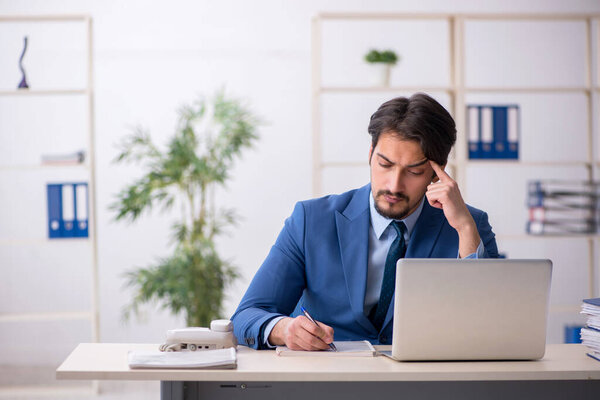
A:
[565,371]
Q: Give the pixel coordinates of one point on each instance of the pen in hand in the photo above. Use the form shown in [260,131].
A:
[307,315]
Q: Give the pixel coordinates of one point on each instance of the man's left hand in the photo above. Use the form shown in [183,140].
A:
[445,195]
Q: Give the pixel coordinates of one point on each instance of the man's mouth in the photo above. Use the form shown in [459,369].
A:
[392,199]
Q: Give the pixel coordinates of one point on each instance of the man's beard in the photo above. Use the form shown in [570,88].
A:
[390,214]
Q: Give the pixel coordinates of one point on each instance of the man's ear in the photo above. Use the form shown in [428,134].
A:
[370,153]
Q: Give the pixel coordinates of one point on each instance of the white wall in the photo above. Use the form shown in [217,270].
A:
[151,57]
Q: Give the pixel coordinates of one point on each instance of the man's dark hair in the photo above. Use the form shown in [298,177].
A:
[419,118]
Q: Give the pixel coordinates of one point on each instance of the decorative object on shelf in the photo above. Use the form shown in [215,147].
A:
[23,84]
[563,207]
[67,210]
[493,131]
[383,61]
[77,157]
[211,134]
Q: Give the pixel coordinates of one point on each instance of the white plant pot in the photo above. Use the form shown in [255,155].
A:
[380,74]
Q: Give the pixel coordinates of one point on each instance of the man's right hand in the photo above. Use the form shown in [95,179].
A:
[301,334]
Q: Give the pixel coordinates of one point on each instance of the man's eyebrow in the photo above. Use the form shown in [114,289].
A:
[418,164]
[385,158]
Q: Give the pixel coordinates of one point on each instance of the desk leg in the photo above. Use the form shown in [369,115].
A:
[172,390]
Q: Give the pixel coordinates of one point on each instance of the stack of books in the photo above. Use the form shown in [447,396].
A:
[590,334]
[563,207]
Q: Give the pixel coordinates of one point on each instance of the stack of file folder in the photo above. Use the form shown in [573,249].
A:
[590,334]
[563,207]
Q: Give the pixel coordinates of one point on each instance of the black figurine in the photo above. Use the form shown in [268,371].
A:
[23,84]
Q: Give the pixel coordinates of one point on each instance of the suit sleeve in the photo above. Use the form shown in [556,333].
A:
[277,286]
[488,237]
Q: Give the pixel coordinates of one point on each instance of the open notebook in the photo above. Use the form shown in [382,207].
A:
[360,348]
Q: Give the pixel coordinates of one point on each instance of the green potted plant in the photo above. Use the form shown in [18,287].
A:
[383,62]
[210,135]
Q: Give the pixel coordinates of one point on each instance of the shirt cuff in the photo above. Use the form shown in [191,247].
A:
[268,330]
[478,254]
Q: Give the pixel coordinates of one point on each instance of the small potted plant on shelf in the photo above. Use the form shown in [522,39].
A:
[210,135]
[383,61]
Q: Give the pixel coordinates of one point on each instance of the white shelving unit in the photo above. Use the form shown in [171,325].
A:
[38,243]
[456,88]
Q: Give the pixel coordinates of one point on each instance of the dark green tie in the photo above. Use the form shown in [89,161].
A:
[388,285]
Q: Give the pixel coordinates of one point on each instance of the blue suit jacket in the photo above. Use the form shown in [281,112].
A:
[319,261]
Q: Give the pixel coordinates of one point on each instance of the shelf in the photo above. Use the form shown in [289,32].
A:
[44,18]
[487,162]
[505,89]
[517,163]
[42,242]
[45,316]
[383,89]
[509,89]
[363,163]
[21,167]
[44,92]
[491,16]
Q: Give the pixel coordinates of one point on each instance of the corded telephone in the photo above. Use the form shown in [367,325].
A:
[219,336]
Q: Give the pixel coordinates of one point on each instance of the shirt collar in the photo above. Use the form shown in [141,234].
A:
[380,223]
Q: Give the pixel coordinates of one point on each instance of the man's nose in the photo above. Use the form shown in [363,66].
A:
[396,183]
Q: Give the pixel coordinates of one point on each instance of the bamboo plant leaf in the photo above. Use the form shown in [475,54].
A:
[210,136]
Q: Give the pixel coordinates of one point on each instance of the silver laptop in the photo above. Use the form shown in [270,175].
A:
[489,309]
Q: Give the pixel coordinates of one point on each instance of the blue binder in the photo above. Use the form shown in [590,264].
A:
[493,131]
[500,118]
[513,130]
[54,193]
[486,133]
[593,301]
[67,210]
[81,210]
[573,333]
[474,129]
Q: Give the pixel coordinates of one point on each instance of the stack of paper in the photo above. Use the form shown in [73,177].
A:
[219,359]
[590,335]
[360,348]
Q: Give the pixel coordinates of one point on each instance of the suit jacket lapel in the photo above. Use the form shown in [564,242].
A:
[353,233]
[422,240]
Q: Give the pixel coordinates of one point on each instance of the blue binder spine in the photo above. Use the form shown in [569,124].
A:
[54,194]
[535,195]
[474,129]
[573,333]
[487,132]
[81,210]
[513,132]
[68,209]
[500,131]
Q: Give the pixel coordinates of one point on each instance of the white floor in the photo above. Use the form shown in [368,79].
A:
[39,383]
[107,391]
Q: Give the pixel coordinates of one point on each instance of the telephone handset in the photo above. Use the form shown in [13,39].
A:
[219,336]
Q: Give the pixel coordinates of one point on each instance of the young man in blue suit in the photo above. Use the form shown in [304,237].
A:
[336,255]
